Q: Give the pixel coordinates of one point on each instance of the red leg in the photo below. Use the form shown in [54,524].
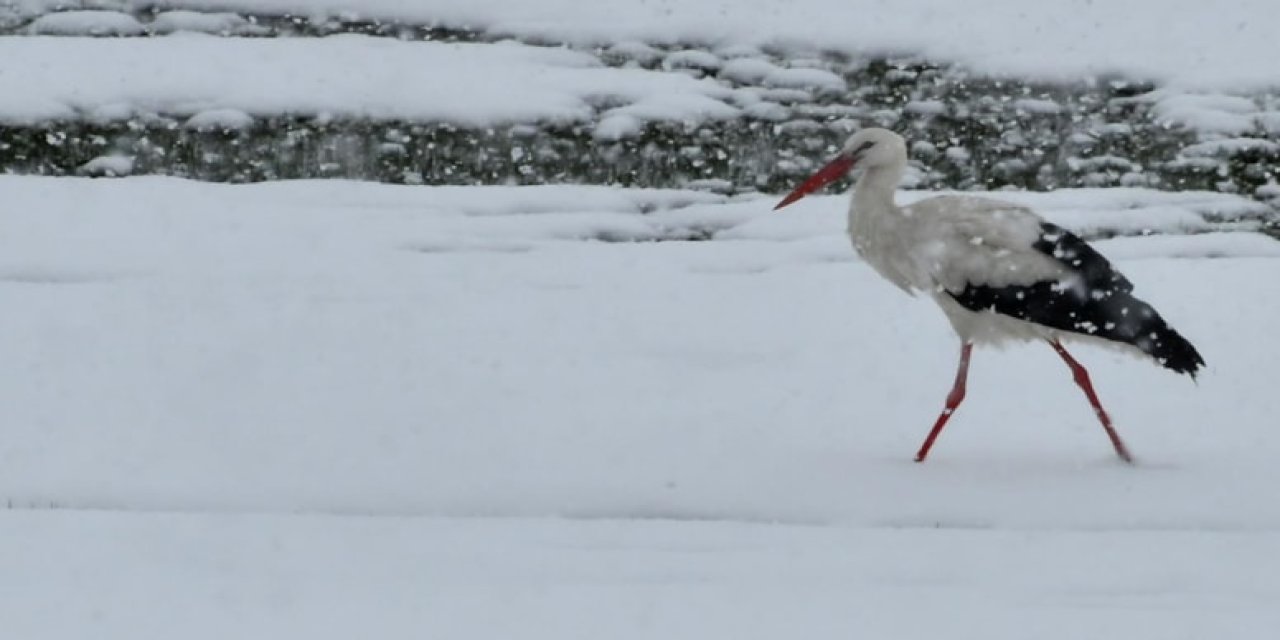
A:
[1082,378]
[953,401]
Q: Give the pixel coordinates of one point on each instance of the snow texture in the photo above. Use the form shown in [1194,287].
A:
[347,75]
[334,410]
[1184,43]
[211,576]
[748,70]
[86,23]
[220,119]
[110,166]
[354,77]
[805,79]
[213,23]
[1230,146]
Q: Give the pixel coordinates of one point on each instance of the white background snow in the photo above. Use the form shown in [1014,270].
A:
[346,75]
[328,409]
[1213,65]
[335,410]
[1224,45]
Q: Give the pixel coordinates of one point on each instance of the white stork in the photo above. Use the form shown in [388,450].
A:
[998,271]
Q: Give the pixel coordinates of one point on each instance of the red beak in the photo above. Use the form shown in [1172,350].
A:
[834,170]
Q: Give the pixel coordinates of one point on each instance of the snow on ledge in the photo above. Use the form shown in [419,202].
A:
[220,120]
[214,23]
[86,23]
[109,166]
[347,75]
[1190,44]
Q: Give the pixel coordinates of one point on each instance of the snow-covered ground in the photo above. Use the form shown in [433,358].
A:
[328,409]
[216,576]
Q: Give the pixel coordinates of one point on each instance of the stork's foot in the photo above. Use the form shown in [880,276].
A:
[1123,452]
[1081,377]
[953,400]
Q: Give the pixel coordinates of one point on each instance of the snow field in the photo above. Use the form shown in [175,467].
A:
[262,576]
[464,352]
[325,409]
[333,410]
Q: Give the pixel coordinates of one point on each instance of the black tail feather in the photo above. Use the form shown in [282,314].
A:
[1176,353]
[1095,300]
[1114,315]
[1154,337]
[1124,318]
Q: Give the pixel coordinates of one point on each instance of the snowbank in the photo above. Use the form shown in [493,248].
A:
[353,76]
[1183,42]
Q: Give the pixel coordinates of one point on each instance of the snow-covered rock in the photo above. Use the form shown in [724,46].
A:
[220,120]
[110,166]
[225,24]
[86,23]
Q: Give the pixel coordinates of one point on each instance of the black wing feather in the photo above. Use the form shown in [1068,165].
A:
[1097,302]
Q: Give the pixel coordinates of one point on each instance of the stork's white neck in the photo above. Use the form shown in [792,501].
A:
[873,195]
[876,225]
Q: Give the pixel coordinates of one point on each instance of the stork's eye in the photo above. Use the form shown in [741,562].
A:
[863,147]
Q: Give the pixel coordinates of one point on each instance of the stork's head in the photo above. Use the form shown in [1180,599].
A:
[866,149]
